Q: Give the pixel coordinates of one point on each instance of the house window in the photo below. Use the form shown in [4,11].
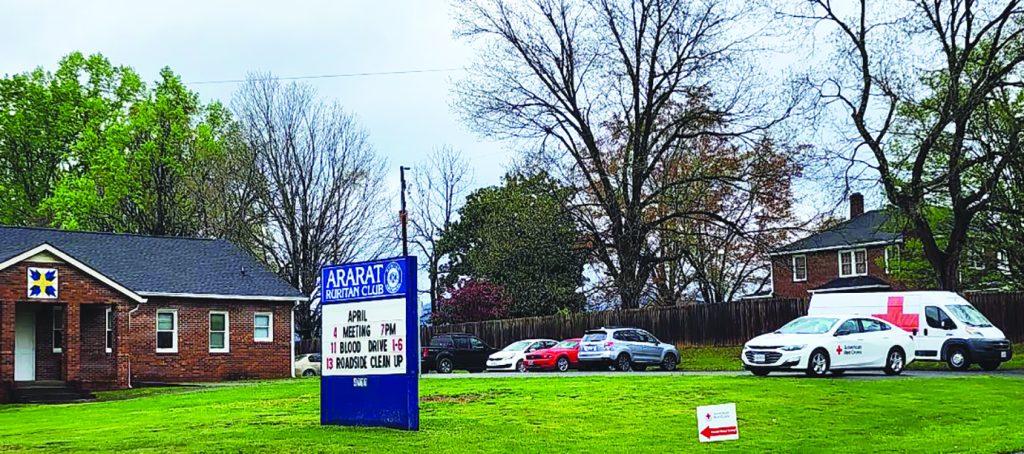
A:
[58,329]
[218,331]
[1003,261]
[974,261]
[167,331]
[263,327]
[853,263]
[892,259]
[110,330]
[799,268]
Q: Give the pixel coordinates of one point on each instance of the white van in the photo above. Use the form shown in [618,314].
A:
[945,326]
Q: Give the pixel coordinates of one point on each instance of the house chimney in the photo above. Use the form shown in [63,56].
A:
[856,204]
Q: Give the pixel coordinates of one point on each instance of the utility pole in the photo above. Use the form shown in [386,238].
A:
[404,215]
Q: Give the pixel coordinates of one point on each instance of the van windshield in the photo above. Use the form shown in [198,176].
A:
[969,315]
[808,325]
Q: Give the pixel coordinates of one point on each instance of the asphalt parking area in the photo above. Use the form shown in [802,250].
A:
[846,376]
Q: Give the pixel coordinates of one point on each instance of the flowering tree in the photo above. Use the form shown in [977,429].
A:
[474,301]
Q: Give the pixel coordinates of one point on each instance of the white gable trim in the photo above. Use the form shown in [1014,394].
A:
[46,247]
[215,296]
[843,289]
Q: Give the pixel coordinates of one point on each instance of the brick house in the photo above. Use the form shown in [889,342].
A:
[851,256]
[95,311]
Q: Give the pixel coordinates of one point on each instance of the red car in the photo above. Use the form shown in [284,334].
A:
[561,357]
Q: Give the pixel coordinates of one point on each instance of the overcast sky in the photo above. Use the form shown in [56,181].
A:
[406,115]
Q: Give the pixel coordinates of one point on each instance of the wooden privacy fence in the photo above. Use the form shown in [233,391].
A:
[702,324]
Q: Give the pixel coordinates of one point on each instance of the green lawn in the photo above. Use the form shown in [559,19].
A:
[728,358]
[551,414]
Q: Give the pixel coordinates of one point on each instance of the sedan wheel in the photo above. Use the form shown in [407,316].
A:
[818,364]
[521,366]
[895,362]
[308,373]
[562,364]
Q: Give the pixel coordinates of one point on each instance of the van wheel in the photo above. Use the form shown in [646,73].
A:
[895,361]
[956,358]
[818,365]
[989,366]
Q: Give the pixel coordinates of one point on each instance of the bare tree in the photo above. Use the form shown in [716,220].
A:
[439,188]
[612,90]
[320,187]
[922,83]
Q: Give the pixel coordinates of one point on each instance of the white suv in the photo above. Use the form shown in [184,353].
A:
[625,349]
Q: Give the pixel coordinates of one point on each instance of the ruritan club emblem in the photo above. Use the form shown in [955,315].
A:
[393,277]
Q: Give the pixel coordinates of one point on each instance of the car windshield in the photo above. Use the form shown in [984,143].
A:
[969,315]
[595,336]
[567,344]
[808,325]
[518,346]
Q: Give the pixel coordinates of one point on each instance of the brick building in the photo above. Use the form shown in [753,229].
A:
[100,311]
[851,256]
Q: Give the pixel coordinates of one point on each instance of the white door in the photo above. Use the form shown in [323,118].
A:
[24,346]
[935,331]
[876,342]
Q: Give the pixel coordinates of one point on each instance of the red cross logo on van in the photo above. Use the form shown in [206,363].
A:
[894,314]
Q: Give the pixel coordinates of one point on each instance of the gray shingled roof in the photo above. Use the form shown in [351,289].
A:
[156,264]
[866,228]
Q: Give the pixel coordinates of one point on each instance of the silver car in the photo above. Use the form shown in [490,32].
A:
[625,349]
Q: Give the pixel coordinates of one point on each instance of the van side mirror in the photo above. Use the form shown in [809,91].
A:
[948,324]
[842,332]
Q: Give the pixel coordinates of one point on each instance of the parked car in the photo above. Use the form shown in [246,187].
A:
[455,351]
[513,357]
[818,345]
[561,357]
[625,349]
[307,365]
[945,326]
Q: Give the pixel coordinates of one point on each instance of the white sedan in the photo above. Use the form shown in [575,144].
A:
[513,357]
[819,345]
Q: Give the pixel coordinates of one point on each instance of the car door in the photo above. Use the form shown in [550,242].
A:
[479,351]
[848,345]
[876,342]
[938,327]
[652,352]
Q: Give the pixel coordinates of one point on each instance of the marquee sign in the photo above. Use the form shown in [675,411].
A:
[42,283]
[369,344]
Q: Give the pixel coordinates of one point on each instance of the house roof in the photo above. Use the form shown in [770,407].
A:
[863,230]
[158,265]
[845,284]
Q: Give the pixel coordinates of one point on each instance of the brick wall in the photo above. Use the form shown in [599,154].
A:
[98,368]
[822,267]
[48,364]
[194,361]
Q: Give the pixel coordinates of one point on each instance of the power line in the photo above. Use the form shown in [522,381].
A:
[332,76]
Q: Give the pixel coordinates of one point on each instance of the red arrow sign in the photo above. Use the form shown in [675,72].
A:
[709,431]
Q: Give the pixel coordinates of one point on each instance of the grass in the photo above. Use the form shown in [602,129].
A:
[728,358]
[551,414]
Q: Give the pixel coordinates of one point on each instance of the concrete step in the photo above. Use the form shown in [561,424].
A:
[47,392]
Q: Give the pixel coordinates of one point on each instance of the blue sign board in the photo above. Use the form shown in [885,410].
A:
[370,344]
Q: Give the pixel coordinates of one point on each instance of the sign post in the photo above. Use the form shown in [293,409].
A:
[370,344]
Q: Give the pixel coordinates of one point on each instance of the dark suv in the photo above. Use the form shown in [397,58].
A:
[450,351]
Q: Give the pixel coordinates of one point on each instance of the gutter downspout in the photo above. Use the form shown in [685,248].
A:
[291,338]
[137,306]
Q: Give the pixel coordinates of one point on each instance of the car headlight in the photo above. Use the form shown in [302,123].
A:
[792,348]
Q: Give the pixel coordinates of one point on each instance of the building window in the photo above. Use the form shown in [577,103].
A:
[110,330]
[853,263]
[218,331]
[58,329]
[1003,261]
[892,259]
[167,331]
[263,327]
[799,268]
